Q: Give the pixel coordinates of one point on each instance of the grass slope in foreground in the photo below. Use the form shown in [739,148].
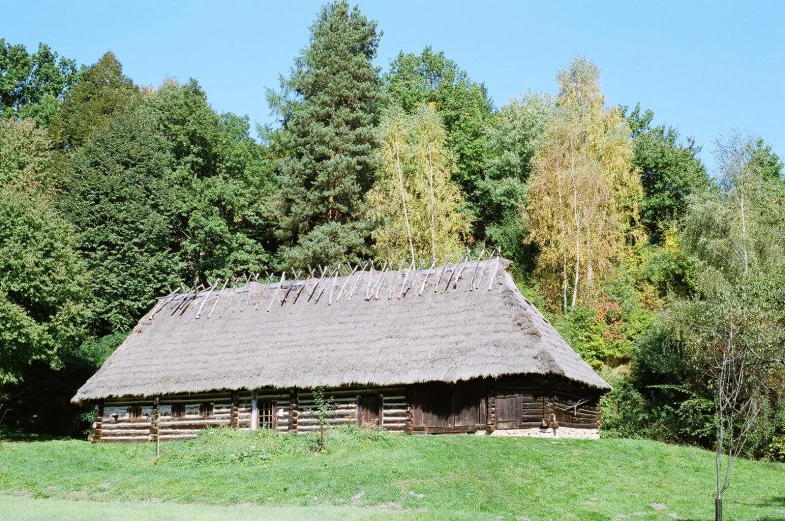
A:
[376,475]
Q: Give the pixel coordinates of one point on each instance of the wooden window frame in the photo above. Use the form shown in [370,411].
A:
[267,409]
[178,410]
[206,410]
[135,412]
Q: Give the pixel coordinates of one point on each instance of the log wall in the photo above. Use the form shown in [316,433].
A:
[515,402]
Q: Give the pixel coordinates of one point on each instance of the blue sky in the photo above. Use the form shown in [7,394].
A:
[705,67]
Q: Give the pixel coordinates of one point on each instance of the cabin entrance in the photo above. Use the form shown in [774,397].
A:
[441,407]
[369,410]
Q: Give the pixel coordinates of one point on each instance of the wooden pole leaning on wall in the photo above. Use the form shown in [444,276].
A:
[254,412]
[155,426]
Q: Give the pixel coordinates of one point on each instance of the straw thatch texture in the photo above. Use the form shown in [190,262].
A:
[370,328]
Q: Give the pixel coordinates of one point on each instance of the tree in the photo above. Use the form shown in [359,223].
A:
[221,179]
[329,106]
[512,140]
[118,194]
[583,192]
[43,302]
[33,85]
[737,320]
[25,158]
[465,107]
[414,200]
[670,172]
[101,93]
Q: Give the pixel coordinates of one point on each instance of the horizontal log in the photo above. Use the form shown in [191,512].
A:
[127,432]
[128,424]
[129,439]
[392,412]
[179,438]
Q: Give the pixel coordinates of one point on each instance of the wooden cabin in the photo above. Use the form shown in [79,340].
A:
[450,349]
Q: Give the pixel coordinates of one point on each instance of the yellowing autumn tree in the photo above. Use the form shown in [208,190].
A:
[415,203]
[583,194]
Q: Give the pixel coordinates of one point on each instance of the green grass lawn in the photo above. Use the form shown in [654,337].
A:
[378,476]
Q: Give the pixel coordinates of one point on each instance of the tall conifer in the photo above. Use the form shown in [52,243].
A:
[329,107]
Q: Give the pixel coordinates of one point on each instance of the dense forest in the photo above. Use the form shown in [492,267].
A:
[113,194]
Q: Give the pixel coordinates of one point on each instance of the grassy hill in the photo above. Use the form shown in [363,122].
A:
[371,475]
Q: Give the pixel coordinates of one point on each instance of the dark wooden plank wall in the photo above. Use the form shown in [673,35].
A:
[523,401]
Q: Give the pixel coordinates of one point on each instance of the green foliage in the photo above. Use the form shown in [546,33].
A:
[43,303]
[512,139]
[329,106]
[118,193]
[464,106]
[222,181]
[414,202]
[101,93]
[670,172]
[33,85]
[25,159]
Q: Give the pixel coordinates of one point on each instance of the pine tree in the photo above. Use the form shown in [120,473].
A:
[329,106]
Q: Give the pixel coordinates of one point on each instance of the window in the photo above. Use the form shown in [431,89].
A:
[135,411]
[267,416]
[206,409]
[178,410]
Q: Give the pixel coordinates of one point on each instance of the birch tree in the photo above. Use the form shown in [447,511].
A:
[415,203]
[583,193]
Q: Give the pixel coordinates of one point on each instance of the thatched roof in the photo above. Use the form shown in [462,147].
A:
[372,327]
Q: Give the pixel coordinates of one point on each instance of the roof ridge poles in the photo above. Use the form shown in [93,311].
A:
[482,271]
[317,283]
[347,282]
[392,282]
[162,302]
[319,296]
[495,269]
[368,288]
[199,312]
[476,268]
[406,279]
[217,298]
[305,283]
[275,294]
[381,280]
[335,281]
[357,281]
[444,268]
[463,267]
[422,288]
[291,285]
[454,270]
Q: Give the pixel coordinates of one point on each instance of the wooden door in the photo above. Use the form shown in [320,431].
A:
[369,410]
[509,411]
[433,406]
[268,419]
[467,398]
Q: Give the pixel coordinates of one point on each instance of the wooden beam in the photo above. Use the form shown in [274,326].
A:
[280,284]
[217,298]
[199,312]
[422,288]
[254,412]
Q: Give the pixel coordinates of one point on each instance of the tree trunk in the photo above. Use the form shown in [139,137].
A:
[403,198]
[433,205]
